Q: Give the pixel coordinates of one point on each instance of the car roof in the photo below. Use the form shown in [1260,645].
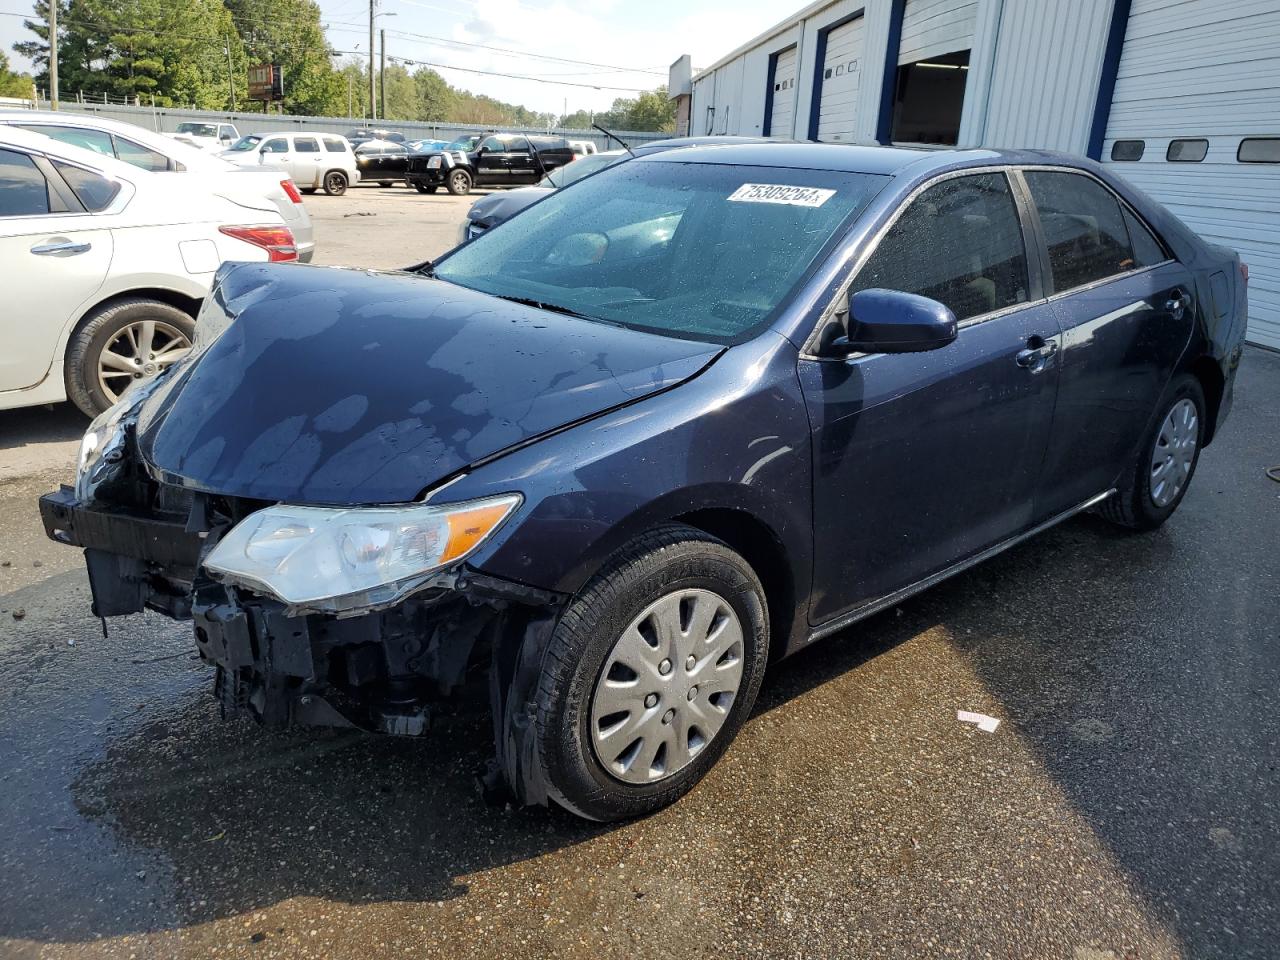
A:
[851,158]
[38,143]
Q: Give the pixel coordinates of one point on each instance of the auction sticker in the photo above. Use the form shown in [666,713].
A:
[780,193]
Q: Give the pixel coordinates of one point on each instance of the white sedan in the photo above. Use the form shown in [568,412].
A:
[105,266]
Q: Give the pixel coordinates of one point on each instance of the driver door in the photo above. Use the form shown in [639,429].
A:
[922,460]
[493,164]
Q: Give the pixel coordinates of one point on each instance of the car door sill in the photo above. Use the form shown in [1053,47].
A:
[875,606]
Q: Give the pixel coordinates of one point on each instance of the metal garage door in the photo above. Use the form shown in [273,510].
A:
[931,28]
[1207,70]
[782,94]
[839,81]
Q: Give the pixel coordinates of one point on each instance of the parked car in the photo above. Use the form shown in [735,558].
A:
[105,266]
[206,136]
[493,208]
[426,146]
[363,135]
[382,161]
[682,419]
[583,148]
[502,159]
[313,160]
[152,151]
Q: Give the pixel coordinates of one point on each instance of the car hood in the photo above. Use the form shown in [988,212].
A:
[327,386]
[497,207]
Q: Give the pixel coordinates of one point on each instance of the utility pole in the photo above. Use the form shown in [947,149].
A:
[373,108]
[348,96]
[382,70]
[53,54]
[231,84]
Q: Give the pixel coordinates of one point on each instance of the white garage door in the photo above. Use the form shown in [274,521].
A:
[783,94]
[931,28]
[1207,70]
[841,78]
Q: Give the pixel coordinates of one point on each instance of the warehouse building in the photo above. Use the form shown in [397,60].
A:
[1182,97]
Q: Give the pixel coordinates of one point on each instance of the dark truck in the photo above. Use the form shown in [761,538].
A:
[500,159]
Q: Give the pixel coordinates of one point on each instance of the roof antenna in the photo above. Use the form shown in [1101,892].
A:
[613,136]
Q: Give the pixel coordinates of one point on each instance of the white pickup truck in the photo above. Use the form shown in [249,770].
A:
[207,136]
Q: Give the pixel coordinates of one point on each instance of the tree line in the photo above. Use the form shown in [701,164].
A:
[183,53]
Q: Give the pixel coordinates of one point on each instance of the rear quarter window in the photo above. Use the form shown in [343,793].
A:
[94,191]
[334,145]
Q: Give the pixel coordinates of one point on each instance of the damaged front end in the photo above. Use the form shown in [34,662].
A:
[285,660]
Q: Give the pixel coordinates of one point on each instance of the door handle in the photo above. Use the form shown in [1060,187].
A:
[1176,304]
[61,248]
[1036,354]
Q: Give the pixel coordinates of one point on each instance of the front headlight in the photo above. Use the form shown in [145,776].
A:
[343,559]
[433,163]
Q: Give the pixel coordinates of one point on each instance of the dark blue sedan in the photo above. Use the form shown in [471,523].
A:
[676,421]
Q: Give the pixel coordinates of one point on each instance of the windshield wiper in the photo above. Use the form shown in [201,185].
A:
[543,305]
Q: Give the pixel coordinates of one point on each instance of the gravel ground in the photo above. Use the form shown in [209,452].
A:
[1125,808]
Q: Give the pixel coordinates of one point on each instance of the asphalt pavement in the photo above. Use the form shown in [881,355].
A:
[1128,805]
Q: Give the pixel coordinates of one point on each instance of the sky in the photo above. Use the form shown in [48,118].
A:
[630,44]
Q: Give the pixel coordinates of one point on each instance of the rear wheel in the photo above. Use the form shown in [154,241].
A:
[1154,486]
[121,344]
[459,183]
[335,183]
[307,189]
[650,673]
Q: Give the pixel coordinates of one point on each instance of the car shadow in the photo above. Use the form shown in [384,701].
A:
[50,423]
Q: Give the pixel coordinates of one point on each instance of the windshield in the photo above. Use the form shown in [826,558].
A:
[246,143]
[198,129]
[464,145]
[583,166]
[694,250]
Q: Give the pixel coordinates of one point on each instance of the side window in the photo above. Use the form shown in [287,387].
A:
[960,242]
[276,145]
[1147,250]
[1128,149]
[306,145]
[94,191]
[1083,226]
[1186,151]
[140,156]
[334,145]
[95,140]
[226,132]
[23,189]
[493,145]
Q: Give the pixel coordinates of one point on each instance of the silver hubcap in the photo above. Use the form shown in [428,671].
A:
[140,351]
[667,686]
[1174,452]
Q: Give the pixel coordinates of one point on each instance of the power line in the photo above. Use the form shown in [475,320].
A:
[507,76]
[520,53]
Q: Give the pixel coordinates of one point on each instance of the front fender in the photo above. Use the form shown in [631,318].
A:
[735,438]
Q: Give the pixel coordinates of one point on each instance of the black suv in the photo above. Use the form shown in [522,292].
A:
[499,160]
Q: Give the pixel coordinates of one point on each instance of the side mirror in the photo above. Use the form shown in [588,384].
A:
[890,321]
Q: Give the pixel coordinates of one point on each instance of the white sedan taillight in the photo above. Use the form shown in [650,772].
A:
[277,241]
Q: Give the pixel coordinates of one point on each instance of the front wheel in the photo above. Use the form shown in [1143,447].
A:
[650,673]
[335,183]
[1153,487]
[123,343]
[459,183]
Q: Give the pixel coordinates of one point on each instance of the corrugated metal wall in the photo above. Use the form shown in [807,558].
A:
[931,28]
[1044,80]
[1208,69]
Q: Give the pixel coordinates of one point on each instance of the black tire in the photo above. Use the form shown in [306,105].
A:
[1132,506]
[97,331]
[459,183]
[663,561]
[385,183]
[308,189]
[335,183]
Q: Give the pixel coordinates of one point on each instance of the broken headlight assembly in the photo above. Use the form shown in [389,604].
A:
[349,559]
[102,448]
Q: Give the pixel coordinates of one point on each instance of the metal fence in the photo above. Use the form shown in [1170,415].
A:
[166,120]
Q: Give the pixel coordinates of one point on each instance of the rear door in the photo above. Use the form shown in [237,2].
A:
[55,258]
[923,460]
[1126,310]
[305,161]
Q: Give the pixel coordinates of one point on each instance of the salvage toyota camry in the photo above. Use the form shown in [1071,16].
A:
[689,415]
